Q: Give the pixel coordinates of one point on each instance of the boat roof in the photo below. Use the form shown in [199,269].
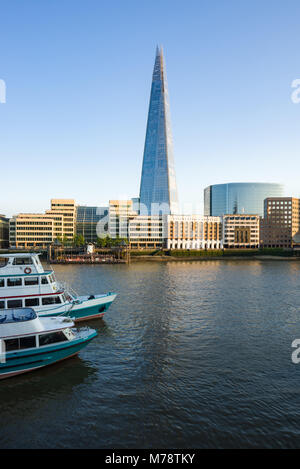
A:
[24,321]
[21,254]
[17,315]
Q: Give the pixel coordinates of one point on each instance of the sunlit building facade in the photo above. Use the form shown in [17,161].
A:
[241,231]
[4,232]
[120,212]
[147,232]
[193,232]
[280,227]
[41,229]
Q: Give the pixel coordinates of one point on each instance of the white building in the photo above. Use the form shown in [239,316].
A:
[147,232]
[193,232]
[119,214]
[241,231]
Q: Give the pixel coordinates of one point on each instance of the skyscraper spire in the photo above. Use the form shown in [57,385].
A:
[158,190]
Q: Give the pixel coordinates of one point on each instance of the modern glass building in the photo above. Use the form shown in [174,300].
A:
[238,198]
[87,220]
[158,190]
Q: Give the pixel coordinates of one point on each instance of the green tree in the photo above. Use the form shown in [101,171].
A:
[78,240]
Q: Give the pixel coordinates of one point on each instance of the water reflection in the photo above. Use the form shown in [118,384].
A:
[189,355]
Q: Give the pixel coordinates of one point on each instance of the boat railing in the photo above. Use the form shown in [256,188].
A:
[67,288]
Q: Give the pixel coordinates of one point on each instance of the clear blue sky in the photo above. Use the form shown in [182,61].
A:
[78,77]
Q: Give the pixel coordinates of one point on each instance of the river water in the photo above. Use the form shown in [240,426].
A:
[190,355]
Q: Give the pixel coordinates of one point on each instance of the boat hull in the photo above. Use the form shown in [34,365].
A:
[84,309]
[29,360]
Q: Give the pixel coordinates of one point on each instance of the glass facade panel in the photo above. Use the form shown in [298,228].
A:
[233,198]
[87,220]
[158,190]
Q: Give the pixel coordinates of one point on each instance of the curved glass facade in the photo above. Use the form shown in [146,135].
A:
[243,197]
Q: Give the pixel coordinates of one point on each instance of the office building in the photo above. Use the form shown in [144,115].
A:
[281,223]
[239,198]
[120,212]
[193,232]
[147,232]
[241,231]
[158,189]
[4,232]
[39,230]
[91,222]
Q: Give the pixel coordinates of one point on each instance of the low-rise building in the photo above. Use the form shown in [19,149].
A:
[89,222]
[4,232]
[40,230]
[241,231]
[120,213]
[147,232]
[193,232]
[281,223]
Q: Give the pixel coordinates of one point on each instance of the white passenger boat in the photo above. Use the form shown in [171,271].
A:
[28,342]
[24,283]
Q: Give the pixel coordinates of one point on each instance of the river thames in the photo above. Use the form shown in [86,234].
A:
[190,355]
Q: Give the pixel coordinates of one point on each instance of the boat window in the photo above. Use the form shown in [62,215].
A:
[14,303]
[2,283]
[27,342]
[51,300]
[22,261]
[14,282]
[21,343]
[52,278]
[11,344]
[46,339]
[31,281]
[2,304]
[32,302]
[44,280]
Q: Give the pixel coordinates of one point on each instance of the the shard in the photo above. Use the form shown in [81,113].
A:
[158,190]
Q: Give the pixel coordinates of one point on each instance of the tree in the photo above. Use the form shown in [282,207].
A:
[78,240]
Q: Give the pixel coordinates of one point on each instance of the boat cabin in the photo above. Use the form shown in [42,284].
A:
[25,284]
[23,329]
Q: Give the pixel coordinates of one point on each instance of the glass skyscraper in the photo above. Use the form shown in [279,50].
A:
[158,190]
[238,198]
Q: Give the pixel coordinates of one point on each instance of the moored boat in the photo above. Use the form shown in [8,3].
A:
[25,284]
[28,342]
